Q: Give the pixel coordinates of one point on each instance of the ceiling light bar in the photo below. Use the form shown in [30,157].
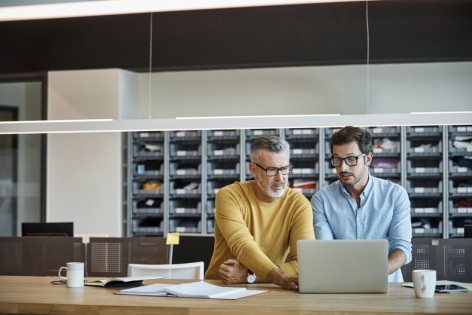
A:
[114,7]
[440,113]
[302,121]
[253,116]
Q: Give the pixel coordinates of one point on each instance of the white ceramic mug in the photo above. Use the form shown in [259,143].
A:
[424,283]
[74,274]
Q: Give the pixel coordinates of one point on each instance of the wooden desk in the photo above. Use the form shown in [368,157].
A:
[35,295]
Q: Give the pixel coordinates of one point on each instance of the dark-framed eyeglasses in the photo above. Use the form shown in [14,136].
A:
[350,160]
[272,171]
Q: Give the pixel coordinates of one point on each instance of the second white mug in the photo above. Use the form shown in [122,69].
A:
[424,282]
[74,274]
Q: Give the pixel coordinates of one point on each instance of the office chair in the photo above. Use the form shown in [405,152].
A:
[193,270]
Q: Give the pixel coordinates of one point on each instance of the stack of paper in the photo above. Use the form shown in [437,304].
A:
[200,290]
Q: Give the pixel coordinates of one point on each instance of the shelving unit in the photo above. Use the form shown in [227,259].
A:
[185,181]
[387,154]
[304,154]
[147,170]
[424,180]
[174,176]
[223,160]
[459,184]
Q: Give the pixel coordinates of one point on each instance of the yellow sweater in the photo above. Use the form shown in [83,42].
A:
[259,235]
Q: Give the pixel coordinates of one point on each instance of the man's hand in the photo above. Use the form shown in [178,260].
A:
[279,277]
[231,272]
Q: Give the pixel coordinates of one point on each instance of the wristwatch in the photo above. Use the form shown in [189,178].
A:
[251,277]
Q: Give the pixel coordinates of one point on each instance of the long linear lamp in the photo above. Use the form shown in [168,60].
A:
[113,7]
[225,123]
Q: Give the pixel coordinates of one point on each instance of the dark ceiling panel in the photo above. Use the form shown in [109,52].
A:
[410,31]
[315,34]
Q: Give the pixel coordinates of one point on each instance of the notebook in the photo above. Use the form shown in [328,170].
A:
[342,266]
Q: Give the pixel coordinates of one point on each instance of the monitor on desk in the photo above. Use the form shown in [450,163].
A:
[193,248]
[47,229]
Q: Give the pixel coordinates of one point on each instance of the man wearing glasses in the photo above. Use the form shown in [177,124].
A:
[361,206]
[258,222]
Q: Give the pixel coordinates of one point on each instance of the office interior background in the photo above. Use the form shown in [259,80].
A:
[354,58]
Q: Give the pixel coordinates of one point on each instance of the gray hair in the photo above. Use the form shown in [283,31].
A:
[269,143]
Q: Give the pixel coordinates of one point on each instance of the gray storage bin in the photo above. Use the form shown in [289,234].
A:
[424,187]
[181,190]
[223,133]
[423,130]
[427,211]
[254,133]
[385,145]
[138,228]
[148,135]
[460,188]
[415,167]
[215,185]
[184,225]
[304,170]
[423,147]
[179,168]
[434,230]
[216,169]
[460,129]
[143,168]
[455,147]
[154,207]
[148,149]
[459,211]
[297,150]
[383,130]
[301,132]
[138,189]
[223,149]
[185,150]
[459,170]
[185,134]
[183,207]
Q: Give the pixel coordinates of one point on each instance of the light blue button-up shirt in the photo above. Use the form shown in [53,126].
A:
[384,213]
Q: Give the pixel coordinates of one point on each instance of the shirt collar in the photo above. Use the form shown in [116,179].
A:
[368,188]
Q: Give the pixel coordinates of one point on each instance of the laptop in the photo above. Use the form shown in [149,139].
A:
[342,266]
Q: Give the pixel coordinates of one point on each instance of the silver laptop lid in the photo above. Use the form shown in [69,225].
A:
[342,266]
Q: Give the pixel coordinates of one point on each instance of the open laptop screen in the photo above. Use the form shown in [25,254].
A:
[342,266]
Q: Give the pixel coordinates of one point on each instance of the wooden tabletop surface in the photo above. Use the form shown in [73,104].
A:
[35,295]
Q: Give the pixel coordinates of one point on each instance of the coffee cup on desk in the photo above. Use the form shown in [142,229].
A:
[74,274]
[424,282]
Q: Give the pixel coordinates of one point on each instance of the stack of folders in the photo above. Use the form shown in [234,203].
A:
[199,290]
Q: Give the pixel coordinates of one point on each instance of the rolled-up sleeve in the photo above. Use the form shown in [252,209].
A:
[400,231]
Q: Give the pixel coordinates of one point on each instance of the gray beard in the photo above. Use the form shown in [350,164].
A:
[272,194]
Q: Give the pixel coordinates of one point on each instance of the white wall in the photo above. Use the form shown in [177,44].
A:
[84,171]
[399,88]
